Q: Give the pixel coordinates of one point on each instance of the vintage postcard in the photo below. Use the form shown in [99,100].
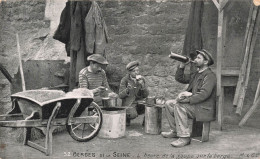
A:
[133,79]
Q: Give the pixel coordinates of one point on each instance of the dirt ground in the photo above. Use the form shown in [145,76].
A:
[232,142]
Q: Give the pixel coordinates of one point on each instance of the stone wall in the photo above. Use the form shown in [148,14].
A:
[146,31]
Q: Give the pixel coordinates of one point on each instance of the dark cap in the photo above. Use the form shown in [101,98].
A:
[206,55]
[98,59]
[132,65]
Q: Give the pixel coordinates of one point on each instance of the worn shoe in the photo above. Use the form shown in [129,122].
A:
[182,141]
[170,134]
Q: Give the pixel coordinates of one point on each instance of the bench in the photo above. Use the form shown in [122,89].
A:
[200,131]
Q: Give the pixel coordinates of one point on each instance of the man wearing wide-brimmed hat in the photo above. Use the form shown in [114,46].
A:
[133,87]
[198,102]
[94,77]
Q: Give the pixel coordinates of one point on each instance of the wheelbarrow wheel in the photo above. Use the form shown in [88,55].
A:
[83,132]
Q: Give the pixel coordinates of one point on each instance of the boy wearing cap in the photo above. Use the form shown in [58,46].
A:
[198,102]
[93,77]
[132,88]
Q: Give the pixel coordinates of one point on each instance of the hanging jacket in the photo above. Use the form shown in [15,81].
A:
[96,36]
[62,33]
[71,28]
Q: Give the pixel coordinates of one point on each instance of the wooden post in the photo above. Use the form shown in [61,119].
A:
[252,109]
[250,112]
[221,34]
[248,68]
[219,65]
[246,47]
[20,62]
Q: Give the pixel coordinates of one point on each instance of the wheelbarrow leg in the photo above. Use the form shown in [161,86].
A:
[27,131]
[48,141]
[27,135]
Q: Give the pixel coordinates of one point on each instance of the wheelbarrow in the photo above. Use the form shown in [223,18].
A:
[49,109]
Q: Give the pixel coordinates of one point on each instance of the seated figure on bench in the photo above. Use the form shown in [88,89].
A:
[93,77]
[199,102]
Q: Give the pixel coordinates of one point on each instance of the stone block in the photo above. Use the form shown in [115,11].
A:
[146,70]
[138,50]
[167,82]
[111,21]
[111,4]
[160,71]
[151,60]
[115,59]
[139,30]
[126,58]
[121,30]
[152,81]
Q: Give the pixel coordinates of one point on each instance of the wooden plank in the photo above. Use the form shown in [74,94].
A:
[205,132]
[251,50]
[250,112]
[36,146]
[216,3]
[6,73]
[229,81]
[39,74]
[85,120]
[247,41]
[32,123]
[228,71]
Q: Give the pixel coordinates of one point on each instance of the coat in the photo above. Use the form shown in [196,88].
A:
[96,36]
[129,98]
[203,88]
[71,27]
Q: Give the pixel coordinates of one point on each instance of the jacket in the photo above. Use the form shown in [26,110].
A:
[71,28]
[203,88]
[129,96]
[96,36]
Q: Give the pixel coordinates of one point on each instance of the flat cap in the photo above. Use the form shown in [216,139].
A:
[98,58]
[132,65]
[206,55]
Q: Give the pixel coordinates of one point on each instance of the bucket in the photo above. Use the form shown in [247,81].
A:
[109,102]
[114,123]
[153,119]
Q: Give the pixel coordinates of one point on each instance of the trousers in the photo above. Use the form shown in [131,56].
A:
[178,115]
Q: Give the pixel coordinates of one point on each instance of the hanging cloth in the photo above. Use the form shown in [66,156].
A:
[96,35]
[193,37]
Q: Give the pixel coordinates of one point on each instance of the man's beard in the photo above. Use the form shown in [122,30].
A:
[199,66]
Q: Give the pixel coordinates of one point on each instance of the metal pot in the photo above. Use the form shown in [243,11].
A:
[109,102]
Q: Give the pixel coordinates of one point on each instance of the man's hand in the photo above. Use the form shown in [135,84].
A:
[182,65]
[99,89]
[185,100]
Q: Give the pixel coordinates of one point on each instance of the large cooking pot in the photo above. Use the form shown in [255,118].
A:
[109,102]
